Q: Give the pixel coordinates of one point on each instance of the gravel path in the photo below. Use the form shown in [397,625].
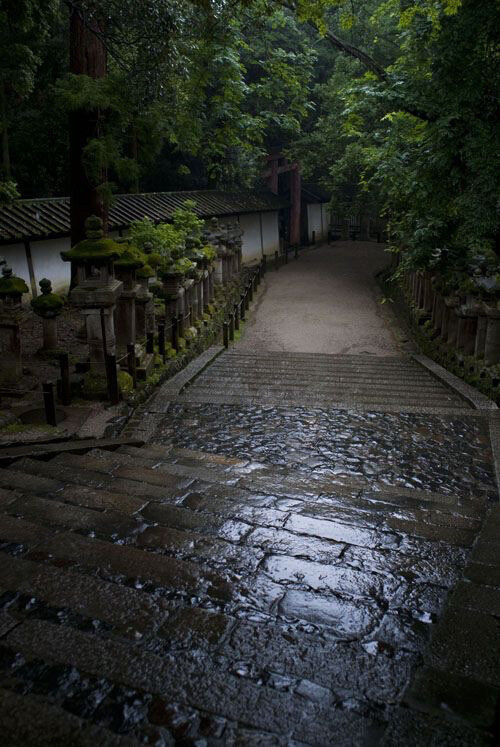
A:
[325,303]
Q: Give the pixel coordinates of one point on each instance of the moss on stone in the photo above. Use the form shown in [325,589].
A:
[97,251]
[125,382]
[146,271]
[12,286]
[48,305]
[130,258]
[94,386]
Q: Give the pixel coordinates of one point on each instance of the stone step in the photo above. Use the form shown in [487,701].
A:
[215,468]
[366,402]
[130,612]
[368,393]
[32,720]
[290,379]
[30,469]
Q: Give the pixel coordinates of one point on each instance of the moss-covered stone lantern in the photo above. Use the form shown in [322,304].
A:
[48,306]
[126,267]
[144,306]
[12,315]
[97,289]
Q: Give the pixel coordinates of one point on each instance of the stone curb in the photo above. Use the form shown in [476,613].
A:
[472,396]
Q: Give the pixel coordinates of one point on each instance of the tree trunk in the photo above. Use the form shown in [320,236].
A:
[87,57]
[6,170]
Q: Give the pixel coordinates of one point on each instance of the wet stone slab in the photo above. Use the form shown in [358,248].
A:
[272,578]
[434,453]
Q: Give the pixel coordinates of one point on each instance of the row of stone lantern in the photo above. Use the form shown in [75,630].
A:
[113,292]
[468,325]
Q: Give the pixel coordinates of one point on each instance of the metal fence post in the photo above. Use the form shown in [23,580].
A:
[225,334]
[231,327]
[131,363]
[65,380]
[175,333]
[49,403]
[242,308]
[161,341]
[113,390]
[236,316]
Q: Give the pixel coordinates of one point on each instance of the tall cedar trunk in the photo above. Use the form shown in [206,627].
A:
[87,57]
[5,169]
[134,154]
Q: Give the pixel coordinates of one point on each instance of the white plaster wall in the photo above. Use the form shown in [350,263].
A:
[270,232]
[250,225]
[327,217]
[15,256]
[314,221]
[47,263]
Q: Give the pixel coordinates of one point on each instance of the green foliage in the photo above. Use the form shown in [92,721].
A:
[8,192]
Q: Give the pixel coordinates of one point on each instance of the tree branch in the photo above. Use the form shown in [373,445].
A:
[358,54]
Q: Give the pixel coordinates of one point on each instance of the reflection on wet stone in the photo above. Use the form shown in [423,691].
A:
[283,594]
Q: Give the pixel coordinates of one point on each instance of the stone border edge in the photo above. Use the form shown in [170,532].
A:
[473,397]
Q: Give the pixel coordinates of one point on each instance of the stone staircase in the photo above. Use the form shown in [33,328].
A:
[166,595]
[322,381]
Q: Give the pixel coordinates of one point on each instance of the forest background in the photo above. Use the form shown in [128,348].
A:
[390,105]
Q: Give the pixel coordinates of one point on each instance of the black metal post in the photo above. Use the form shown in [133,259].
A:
[250,291]
[247,298]
[161,341]
[242,308]
[131,363]
[236,316]
[65,380]
[150,343]
[313,237]
[225,334]
[175,333]
[231,327]
[113,390]
[49,403]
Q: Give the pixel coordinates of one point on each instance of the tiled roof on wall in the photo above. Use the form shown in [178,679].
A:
[49,217]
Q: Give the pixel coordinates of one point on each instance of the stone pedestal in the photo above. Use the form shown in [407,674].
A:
[452,320]
[125,317]
[218,271]
[49,327]
[200,295]
[93,323]
[482,324]
[466,329]
[12,315]
[11,368]
[492,338]
[144,311]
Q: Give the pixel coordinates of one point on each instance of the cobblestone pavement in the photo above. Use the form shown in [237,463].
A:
[259,574]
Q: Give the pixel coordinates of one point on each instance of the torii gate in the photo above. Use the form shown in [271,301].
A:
[278,164]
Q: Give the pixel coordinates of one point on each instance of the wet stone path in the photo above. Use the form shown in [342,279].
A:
[256,574]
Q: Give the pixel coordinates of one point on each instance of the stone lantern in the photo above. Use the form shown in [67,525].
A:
[97,289]
[215,237]
[126,267]
[12,315]
[48,306]
[144,306]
